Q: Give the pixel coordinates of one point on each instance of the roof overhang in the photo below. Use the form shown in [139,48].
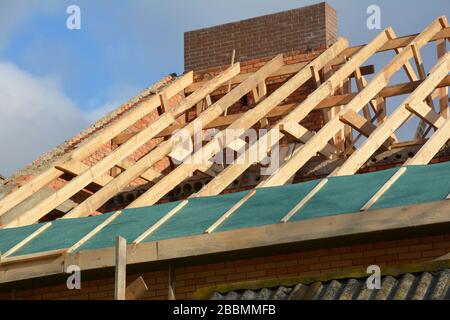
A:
[361,223]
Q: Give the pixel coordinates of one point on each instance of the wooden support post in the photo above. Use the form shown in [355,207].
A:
[171,282]
[120,282]
[443,92]
[229,82]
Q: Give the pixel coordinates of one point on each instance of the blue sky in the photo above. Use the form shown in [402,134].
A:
[55,81]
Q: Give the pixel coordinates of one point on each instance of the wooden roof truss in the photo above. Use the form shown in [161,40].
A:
[332,71]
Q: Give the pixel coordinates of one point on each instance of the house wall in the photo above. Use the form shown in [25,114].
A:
[304,29]
[297,263]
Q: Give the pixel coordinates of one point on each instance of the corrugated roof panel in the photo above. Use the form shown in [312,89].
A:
[409,286]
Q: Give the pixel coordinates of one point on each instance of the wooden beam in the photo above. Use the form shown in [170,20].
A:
[443,92]
[427,114]
[302,134]
[136,290]
[161,221]
[213,112]
[25,241]
[282,110]
[285,70]
[227,214]
[295,232]
[395,120]
[247,120]
[297,114]
[432,146]
[97,170]
[94,231]
[77,167]
[379,81]
[235,169]
[89,147]
[28,258]
[358,123]
[120,281]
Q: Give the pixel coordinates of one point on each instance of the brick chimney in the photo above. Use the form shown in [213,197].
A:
[302,30]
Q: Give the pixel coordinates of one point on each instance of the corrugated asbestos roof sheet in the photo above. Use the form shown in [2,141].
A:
[341,195]
[410,286]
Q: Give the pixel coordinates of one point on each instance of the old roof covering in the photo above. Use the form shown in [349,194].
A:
[342,195]
[60,151]
[408,286]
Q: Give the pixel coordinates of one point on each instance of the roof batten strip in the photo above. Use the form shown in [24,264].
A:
[383,189]
[161,221]
[94,231]
[233,209]
[305,200]
[25,241]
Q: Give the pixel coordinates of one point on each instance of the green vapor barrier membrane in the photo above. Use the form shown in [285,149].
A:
[62,234]
[10,237]
[267,206]
[346,194]
[130,225]
[419,184]
[196,217]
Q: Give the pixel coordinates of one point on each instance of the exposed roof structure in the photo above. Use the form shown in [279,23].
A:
[343,197]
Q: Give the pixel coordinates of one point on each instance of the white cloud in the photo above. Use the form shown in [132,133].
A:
[35,116]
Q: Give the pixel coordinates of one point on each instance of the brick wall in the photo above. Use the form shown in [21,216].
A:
[304,29]
[299,263]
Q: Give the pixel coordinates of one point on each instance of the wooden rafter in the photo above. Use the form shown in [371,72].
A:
[369,92]
[331,72]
